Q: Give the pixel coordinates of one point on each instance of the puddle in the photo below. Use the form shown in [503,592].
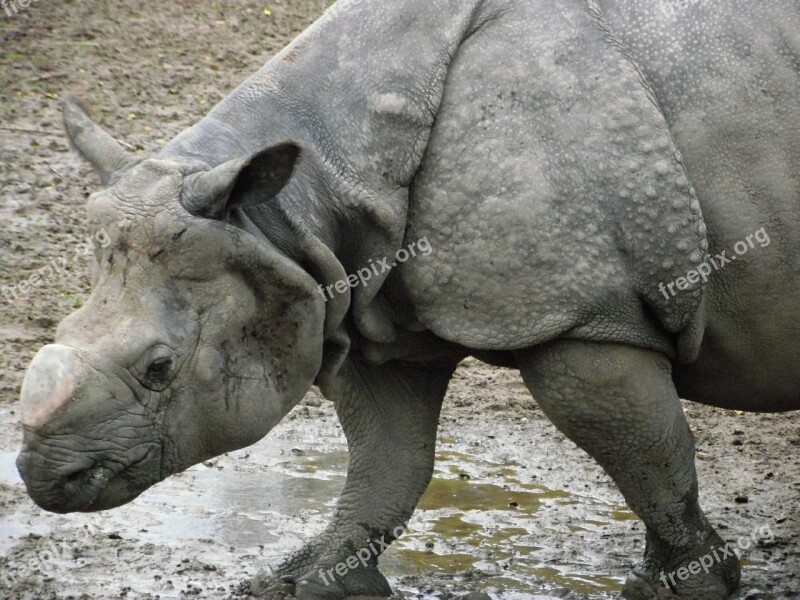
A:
[469,495]
[8,469]
[462,523]
[230,505]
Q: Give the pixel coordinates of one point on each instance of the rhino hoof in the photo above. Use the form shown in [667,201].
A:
[261,587]
[364,583]
[716,585]
[637,587]
[302,590]
[358,584]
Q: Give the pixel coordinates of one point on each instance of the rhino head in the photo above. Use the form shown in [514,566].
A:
[197,338]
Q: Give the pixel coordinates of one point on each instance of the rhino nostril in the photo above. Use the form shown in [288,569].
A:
[77,474]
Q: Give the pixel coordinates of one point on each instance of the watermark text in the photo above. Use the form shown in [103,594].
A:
[375,269]
[57,265]
[717,556]
[714,264]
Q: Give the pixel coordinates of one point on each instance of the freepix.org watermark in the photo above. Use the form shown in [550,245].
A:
[54,550]
[717,556]
[12,7]
[362,557]
[375,269]
[45,275]
[714,264]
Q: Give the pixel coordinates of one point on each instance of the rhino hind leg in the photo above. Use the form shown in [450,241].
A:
[389,414]
[619,404]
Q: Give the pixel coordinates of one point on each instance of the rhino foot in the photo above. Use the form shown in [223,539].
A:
[638,586]
[313,586]
[711,572]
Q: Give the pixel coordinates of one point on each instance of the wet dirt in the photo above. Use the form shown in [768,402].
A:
[514,509]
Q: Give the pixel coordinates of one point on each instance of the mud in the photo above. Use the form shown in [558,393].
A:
[515,509]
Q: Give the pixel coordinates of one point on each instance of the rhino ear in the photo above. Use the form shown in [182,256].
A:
[107,156]
[240,183]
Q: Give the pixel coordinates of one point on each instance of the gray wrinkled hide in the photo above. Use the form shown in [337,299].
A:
[555,186]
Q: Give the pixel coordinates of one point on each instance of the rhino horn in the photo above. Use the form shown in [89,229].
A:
[107,156]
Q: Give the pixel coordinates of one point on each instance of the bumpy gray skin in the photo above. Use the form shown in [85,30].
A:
[562,159]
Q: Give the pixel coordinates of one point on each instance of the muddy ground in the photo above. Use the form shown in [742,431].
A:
[149,69]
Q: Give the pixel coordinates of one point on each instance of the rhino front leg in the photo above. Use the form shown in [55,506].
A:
[619,404]
[390,415]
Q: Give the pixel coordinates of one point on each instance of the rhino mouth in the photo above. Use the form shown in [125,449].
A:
[87,485]
[98,487]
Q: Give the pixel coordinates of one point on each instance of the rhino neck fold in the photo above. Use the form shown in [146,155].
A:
[364,118]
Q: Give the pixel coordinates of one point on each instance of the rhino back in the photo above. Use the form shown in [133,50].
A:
[727,78]
[552,193]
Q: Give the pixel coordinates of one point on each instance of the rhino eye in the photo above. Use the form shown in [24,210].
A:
[156,368]
[159,368]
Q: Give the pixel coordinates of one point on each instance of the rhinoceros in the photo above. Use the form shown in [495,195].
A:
[607,196]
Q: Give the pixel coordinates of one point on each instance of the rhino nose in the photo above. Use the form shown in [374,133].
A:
[49,384]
